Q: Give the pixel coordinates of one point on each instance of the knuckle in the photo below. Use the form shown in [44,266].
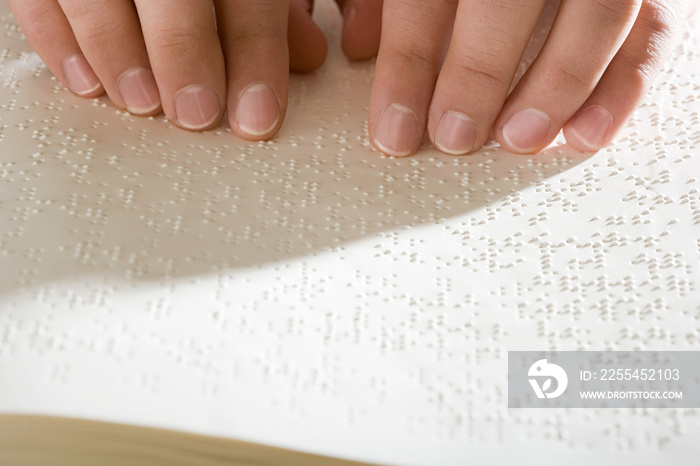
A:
[416,58]
[643,61]
[643,69]
[487,75]
[623,9]
[89,22]
[572,74]
[659,16]
[175,41]
[512,6]
[483,68]
[83,10]
[655,27]
[100,35]
[257,37]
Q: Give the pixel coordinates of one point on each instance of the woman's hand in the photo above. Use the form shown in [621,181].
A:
[448,65]
[178,56]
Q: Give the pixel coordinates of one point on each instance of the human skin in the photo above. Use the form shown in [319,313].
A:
[456,59]
[178,57]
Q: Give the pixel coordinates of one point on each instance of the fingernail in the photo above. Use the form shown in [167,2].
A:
[590,128]
[197,107]
[80,77]
[526,130]
[139,91]
[455,133]
[397,131]
[258,110]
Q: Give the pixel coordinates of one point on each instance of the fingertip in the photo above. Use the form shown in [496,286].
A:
[258,114]
[361,30]
[526,131]
[589,130]
[397,131]
[455,134]
[308,47]
[80,77]
[309,56]
[197,108]
[139,92]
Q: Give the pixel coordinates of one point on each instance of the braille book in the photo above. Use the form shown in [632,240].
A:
[181,298]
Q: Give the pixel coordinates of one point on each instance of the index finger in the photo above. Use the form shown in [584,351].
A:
[187,60]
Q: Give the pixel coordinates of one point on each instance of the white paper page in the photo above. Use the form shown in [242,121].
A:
[312,294]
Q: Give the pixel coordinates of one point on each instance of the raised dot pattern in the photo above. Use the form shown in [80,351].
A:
[310,293]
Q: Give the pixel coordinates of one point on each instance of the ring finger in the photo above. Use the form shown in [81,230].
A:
[110,37]
[585,37]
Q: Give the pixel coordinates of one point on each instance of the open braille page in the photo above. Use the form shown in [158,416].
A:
[311,294]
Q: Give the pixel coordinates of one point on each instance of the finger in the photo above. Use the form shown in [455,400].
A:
[307,44]
[187,60]
[627,80]
[362,27]
[584,38]
[109,35]
[49,33]
[254,39]
[487,44]
[412,47]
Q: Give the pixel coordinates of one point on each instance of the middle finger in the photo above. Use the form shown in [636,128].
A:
[187,60]
[488,42]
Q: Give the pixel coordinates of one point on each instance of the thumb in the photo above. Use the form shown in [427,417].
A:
[362,27]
